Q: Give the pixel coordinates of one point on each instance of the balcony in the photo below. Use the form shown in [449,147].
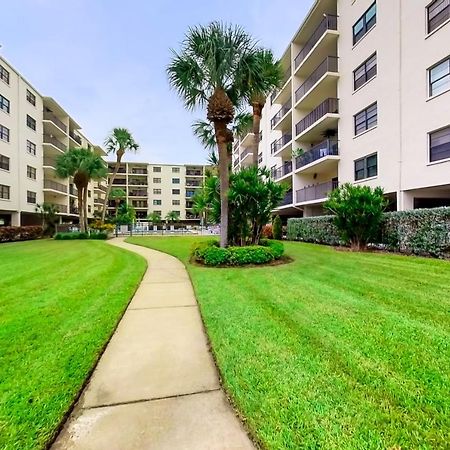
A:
[73,190]
[236,163]
[55,142]
[276,119]
[279,144]
[121,169]
[328,109]
[50,162]
[282,171]
[194,173]
[139,171]
[142,193]
[328,66]
[245,153]
[48,115]
[318,154]
[136,182]
[62,209]
[73,210]
[100,187]
[98,200]
[287,200]
[286,77]
[193,184]
[316,192]
[75,137]
[54,186]
[119,182]
[328,23]
[190,194]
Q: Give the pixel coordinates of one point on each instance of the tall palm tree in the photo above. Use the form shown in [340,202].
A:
[209,71]
[119,141]
[264,74]
[117,194]
[83,165]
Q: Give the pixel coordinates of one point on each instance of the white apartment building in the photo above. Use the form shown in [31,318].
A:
[34,130]
[159,188]
[366,100]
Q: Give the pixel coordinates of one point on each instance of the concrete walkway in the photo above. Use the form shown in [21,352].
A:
[156,386]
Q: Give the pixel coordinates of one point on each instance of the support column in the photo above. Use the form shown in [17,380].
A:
[405,201]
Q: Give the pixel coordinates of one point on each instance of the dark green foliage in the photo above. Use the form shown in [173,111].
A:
[277,248]
[277,228]
[101,235]
[252,254]
[318,230]
[11,234]
[80,235]
[215,256]
[357,212]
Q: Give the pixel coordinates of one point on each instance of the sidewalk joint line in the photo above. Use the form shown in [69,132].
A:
[163,307]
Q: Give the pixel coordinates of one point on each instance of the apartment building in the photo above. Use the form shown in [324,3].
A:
[34,131]
[159,188]
[366,100]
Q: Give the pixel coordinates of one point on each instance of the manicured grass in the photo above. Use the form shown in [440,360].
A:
[336,350]
[59,303]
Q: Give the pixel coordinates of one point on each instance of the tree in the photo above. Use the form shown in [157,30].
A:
[83,165]
[358,211]
[117,194]
[49,216]
[173,216]
[277,228]
[119,141]
[126,215]
[209,72]
[154,218]
[201,205]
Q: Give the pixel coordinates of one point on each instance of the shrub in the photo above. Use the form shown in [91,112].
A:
[277,228]
[199,248]
[11,234]
[252,254]
[267,231]
[101,235]
[78,235]
[318,230]
[99,226]
[215,256]
[277,248]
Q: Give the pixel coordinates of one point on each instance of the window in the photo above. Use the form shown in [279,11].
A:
[366,119]
[366,167]
[4,133]
[175,180]
[365,23]
[175,202]
[438,12]
[440,144]
[439,77]
[365,72]
[158,213]
[4,75]
[175,170]
[89,194]
[157,180]
[31,172]
[31,197]
[175,192]
[157,191]
[4,104]
[31,148]
[157,169]
[31,123]
[157,202]
[4,192]
[89,208]
[4,162]
[31,97]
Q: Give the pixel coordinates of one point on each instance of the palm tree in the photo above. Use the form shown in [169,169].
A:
[154,218]
[209,72]
[49,215]
[201,205]
[119,141]
[83,165]
[117,195]
[172,216]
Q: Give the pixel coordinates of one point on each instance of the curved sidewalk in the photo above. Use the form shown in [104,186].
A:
[156,386]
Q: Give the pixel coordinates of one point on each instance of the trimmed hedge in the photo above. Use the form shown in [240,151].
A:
[424,232]
[210,254]
[75,235]
[12,234]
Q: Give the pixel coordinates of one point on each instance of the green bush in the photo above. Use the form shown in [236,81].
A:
[216,256]
[78,235]
[277,248]
[318,230]
[252,254]
[101,235]
[199,248]
[277,228]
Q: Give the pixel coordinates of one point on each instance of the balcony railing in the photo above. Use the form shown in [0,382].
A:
[138,193]
[330,64]
[194,173]
[98,200]
[236,162]
[329,22]
[75,137]
[49,184]
[328,147]
[282,171]
[52,140]
[247,151]
[281,113]
[50,162]
[61,208]
[121,169]
[288,199]
[316,191]
[329,106]
[280,143]
[73,190]
[73,210]
[139,171]
[119,181]
[136,183]
[286,76]
[193,184]
[50,116]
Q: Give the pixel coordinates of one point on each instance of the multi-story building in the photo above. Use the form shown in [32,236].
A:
[34,130]
[159,188]
[365,100]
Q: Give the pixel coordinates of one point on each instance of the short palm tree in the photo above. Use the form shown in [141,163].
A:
[83,165]
[173,216]
[154,218]
[118,142]
[201,205]
[208,71]
[117,194]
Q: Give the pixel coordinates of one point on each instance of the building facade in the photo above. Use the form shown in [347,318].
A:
[159,188]
[366,100]
[34,131]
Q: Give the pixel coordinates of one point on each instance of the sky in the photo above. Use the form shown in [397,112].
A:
[104,61]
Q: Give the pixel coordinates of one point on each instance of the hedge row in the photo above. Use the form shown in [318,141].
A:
[423,232]
[75,235]
[11,234]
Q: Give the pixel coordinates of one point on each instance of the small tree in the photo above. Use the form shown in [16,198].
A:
[173,216]
[48,213]
[358,212]
[154,218]
[277,228]
[117,195]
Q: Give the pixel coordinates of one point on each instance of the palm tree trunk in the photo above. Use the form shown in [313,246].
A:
[110,182]
[224,177]
[257,111]
[80,208]
[85,197]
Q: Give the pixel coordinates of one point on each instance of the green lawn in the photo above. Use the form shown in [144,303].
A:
[336,350]
[59,303]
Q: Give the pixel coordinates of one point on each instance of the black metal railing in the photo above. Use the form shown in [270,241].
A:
[329,147]
[316,191]
[329,22]
[282,171]
[194,173]
[61,208]
[52,140]
[281,113]
[329,106]
[288,199]
[139,171]
[75,137]
[329,64]
[277,145]
[49,184]
[50,116]
[138,193]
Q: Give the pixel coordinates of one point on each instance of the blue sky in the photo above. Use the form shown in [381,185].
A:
[104,60]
